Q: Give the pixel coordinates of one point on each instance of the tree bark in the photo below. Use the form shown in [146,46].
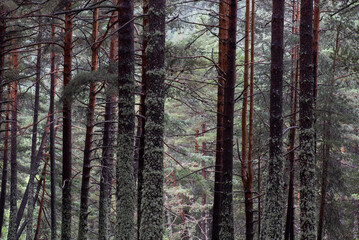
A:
[227,229]
[248,163]
[126,122]
[306,131]
[5,159]
[52,139]
[152,194]
[13,156]
[86,169]
[274,195]
[67,133]
[222,64]
[142,114]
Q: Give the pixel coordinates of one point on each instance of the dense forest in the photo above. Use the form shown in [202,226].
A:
[179,119]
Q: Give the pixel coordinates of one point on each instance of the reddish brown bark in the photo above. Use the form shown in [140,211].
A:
[13,155]
[222,64]
[227,230]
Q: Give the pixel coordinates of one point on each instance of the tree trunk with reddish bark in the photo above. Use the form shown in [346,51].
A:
[222,64]
[227,229]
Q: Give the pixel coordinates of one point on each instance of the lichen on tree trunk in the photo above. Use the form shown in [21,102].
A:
[152,194]
[125,208]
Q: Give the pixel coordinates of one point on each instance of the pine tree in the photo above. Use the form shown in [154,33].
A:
[152,194]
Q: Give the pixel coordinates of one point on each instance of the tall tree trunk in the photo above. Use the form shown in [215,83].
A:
[86,169]
[289,227]
[227,230]
[13,156]
[274,198]
[67,132]
[125,191]
[249,183]
[107,149]
[142,114]
[222,63]
[152,193]
[306,131]
[5,158]
[52,139]
[33,166]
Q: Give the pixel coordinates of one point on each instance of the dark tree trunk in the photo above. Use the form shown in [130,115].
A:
[274,198]
[306,130]
[13,156]
[52,139]
[67,132]
[5,159]
[125,190]
[86,169]
[107,149]
[142,118]
[227,229]
[222,63]
[33,166]
[246,161]
[152,193]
